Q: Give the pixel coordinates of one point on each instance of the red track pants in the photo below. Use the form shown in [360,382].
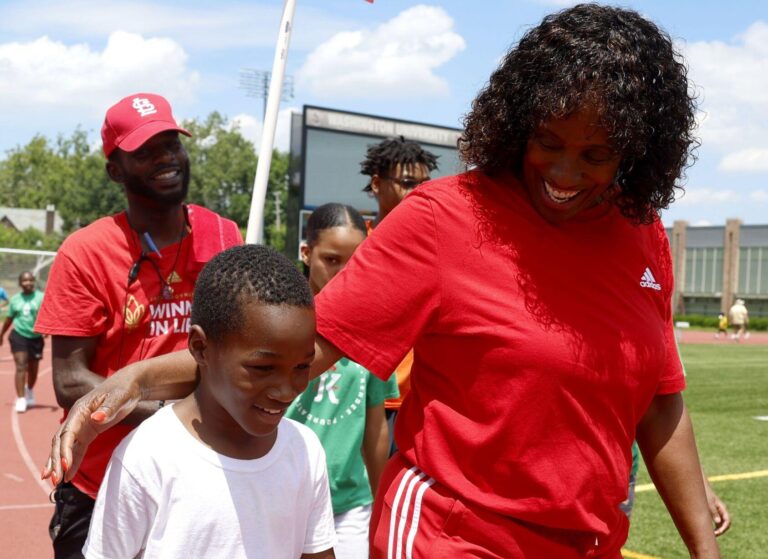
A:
[430,522]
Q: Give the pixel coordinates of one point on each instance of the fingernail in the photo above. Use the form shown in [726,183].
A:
[64,465]
[98,416]
[42,473]
[54,479]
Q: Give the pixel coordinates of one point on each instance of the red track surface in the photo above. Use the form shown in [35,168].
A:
[25,441]
[708,337]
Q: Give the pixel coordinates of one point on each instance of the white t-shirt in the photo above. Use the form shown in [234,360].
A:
[167,495]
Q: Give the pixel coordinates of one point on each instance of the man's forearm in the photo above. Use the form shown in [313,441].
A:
[73,386]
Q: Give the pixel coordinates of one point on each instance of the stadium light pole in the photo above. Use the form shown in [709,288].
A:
[255,83]
[255,230]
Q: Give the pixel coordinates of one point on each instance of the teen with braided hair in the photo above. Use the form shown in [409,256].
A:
[396,166]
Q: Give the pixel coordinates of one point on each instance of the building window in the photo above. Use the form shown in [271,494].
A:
[753,271]
[704,270]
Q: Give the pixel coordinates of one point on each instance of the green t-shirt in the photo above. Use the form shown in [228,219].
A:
[23,310]
[334,407]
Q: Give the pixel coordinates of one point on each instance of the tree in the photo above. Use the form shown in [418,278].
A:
[68,175]
[223,166]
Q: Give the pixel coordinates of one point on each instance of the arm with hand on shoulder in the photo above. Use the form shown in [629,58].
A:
[73,378]
[166,377]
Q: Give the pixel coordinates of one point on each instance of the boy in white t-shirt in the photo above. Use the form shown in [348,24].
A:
[222,473]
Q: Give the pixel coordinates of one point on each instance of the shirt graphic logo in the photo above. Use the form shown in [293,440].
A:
[173,278]
[649,281]
[133,313]
[144,106]
[327,385]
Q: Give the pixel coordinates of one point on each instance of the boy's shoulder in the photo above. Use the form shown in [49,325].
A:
[155,438]
[299,435]
[162,443]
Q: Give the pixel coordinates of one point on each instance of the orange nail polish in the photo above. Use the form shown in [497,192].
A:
[98,416]
[54,479]
[64,465]
[42,473]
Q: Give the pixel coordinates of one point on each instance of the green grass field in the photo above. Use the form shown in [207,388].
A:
[727,388]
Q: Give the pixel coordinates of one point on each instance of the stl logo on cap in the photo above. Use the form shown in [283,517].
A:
[135,119]
[144,106]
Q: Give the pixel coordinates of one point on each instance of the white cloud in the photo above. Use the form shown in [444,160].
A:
[702,223]
[47,73]
[732,79]
[707,197]
[251,128]
[223,24]
[395,60]
[760,196]
[752,159]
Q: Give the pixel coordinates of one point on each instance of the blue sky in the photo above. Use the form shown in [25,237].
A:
[63,62]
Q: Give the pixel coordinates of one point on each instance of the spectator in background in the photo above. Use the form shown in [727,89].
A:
[738,317]
[722,325]
[120,289]
[26,345]
[396,166]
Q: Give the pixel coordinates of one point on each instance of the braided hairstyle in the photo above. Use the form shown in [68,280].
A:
[333,215]
[389,153]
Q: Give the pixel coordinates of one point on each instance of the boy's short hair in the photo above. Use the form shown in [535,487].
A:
[385,155]
[239,274]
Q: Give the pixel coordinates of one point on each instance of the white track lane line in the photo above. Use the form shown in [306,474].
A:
[21,507]
[25,456]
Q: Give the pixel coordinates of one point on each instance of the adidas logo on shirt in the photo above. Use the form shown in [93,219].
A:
[649,281]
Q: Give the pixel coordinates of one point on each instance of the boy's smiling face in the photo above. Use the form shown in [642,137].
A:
[250,377]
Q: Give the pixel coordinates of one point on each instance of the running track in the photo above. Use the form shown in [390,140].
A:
[25,441]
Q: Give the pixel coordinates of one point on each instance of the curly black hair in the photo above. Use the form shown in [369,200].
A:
[389,153]
[237,275]
[618,62]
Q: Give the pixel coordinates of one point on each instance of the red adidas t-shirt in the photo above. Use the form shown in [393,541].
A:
[87,294]
[538,347]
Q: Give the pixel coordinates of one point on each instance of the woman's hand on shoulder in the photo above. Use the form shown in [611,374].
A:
[104,406]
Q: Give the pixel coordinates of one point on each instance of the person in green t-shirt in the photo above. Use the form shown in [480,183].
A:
[345,405]
[26,345]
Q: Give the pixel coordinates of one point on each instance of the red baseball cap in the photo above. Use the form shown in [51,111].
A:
[135,119]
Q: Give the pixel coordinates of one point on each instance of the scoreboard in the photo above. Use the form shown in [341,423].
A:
[327,147]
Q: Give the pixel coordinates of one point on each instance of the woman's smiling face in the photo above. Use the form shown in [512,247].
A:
[568,164]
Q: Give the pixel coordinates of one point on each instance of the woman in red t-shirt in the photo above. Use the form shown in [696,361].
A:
[535,291]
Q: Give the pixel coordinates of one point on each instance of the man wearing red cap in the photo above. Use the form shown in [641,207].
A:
[120,289]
